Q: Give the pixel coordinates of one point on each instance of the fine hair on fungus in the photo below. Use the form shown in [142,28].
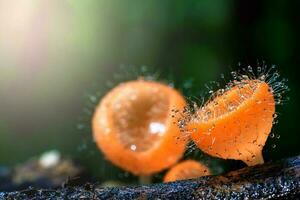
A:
[236,121]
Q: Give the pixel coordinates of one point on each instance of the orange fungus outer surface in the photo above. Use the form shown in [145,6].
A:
[236,124]
[134,127]
[187,169]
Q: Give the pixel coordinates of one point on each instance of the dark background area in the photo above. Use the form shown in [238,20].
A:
[54,54]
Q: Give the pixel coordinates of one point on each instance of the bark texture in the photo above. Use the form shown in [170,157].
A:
[275,180]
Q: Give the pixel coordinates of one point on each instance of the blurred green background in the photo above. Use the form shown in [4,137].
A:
[55,53]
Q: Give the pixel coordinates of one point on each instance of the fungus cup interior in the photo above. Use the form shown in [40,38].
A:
[235,124]
[134,128]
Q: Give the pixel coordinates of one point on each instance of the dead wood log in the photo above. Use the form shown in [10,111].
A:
[274,180]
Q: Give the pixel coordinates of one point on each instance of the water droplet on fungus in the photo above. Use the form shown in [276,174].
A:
[242,115]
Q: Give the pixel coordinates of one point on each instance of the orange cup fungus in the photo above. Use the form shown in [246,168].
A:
[187,169]
[235,124]
[134,127]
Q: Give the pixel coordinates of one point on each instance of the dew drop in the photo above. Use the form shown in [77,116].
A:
[208,113]
[181,124]
[262,77]
[156,127]
[234,75]
[278,136]
[133,147]
[259,69]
